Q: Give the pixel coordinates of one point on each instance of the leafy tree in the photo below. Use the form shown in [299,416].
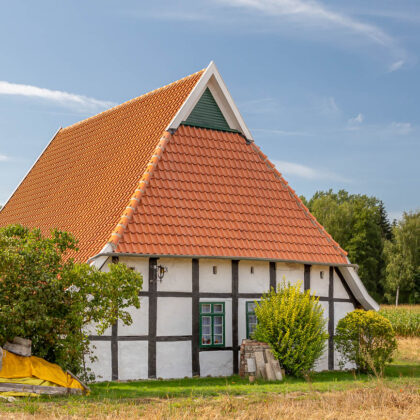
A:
[360,225]
[292,323]
[402,256]
[48,298]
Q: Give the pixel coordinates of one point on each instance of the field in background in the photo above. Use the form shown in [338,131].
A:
[405,319]
[332,395]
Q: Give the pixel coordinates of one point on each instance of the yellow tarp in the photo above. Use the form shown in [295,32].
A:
[35,371]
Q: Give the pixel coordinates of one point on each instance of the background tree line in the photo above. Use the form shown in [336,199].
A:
[388,254]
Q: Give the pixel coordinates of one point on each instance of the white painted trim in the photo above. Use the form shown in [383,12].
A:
[357,287]
[30,169]
[101,260]
[212,79]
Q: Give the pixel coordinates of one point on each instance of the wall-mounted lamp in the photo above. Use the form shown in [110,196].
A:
[321,274]
[214,269]
[161,270]
[252,269]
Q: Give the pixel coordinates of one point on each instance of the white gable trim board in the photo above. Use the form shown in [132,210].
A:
[164,339]
[212,79]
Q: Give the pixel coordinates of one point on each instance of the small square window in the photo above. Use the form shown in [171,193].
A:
[205,308]
[217,308]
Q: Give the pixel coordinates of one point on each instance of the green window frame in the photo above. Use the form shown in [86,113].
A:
[212,324]
[251,319]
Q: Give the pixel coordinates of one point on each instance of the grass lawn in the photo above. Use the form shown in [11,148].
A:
[395,396]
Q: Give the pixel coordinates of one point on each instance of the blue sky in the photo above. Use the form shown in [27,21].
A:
[329,89]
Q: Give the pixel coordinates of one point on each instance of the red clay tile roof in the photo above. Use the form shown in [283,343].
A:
[86,176]
[212,194]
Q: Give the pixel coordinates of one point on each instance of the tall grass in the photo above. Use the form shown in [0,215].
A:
[405,319]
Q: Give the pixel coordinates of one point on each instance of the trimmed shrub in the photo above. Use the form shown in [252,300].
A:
[366,339]
[292,323]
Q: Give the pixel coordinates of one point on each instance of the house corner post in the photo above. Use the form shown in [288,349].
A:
[152,317]
[195,339]
[114,341]
[235,290]
[331,320]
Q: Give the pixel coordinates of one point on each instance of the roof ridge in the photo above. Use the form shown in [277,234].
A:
[123,104]
[134,201]
[292,192]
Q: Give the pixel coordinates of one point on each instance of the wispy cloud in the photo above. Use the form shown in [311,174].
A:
[302,171]
[401,128]
[71,100]
[314,12]
[396,65]
[4,158]
[354,123]
[281,132]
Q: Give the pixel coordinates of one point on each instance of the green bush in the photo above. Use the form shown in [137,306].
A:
[366,339]
[292,323]
[404,320]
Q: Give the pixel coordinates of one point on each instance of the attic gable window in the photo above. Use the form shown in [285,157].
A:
[212,324]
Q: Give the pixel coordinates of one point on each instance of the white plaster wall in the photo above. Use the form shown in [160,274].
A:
[91,330]
[173,359]
[174,316]
[322,363]
[102,367]
[319,286]
[242,318]
[290,272]
[132,360]
[140,325]
[259,281]
[339,290]
[220,282]
[228,317]
[216,363]
[141,265]
[179,275]
[341,309]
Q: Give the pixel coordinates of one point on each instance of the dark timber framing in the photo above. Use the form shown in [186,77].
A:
[152,317]
[195,341]
[114,341]
[331,320]
[273,280]
[307,277]
[152,293]
[353,299]
[235,323]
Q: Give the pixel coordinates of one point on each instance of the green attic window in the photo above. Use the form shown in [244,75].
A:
[207,114]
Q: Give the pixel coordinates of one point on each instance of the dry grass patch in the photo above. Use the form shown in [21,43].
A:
[379,402]
[408,349]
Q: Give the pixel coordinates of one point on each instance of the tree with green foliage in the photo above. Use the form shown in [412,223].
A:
[360,225]
[402,256]
[292,323]
[47,297]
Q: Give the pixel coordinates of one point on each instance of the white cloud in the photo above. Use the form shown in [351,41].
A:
[401,128]
[357,120]
[396,66]
[79,102]
[311,11]
[4,158]
[302,171]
